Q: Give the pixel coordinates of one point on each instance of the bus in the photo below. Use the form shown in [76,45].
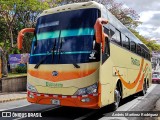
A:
[82,56]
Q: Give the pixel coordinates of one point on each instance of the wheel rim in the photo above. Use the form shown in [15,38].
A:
[117,98]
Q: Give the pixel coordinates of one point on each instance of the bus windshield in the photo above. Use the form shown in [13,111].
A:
[66,38]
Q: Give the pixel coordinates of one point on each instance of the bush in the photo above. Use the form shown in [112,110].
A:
[21,69]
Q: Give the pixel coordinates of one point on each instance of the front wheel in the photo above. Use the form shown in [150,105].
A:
[117,99]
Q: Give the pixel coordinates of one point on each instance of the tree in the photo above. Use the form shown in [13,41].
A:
[151,44]
[127,16]
[10,13]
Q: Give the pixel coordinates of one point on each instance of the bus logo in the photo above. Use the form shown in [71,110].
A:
[92,55]
[135,62]
[55,73]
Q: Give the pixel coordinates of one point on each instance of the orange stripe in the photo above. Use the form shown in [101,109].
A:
[47,75]
[139,88]
[99,93]
[146,66]
[131,85]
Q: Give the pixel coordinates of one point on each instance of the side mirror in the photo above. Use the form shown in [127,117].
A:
[100,35]
[21,35]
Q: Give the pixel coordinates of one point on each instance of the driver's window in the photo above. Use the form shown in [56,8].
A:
[106,53]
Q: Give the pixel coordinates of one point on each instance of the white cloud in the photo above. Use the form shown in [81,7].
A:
[157,30]
[147,15]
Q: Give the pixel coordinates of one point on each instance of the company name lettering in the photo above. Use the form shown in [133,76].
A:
[49,84]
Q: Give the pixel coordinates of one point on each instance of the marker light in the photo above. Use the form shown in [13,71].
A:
[31,88]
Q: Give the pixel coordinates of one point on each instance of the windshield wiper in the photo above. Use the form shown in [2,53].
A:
[76,65]
[43,59]
[60,46]
[40,62]
[53,49]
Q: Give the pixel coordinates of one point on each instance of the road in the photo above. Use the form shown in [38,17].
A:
[133,103]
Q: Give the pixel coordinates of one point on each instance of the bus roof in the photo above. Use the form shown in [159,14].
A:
[73,6]
[105,13]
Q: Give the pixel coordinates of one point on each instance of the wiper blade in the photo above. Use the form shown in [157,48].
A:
[40,62]
[60,46]
[76,65]
[53,49]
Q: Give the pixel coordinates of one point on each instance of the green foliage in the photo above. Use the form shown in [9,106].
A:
[14,16]
[151,44]
[21,69]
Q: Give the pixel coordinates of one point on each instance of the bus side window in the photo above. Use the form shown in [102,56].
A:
[106,30]
[125,41]
[149,57]
[138,50]
[106,53]
[146,55]
[133,46]
[116,38]
[142,53]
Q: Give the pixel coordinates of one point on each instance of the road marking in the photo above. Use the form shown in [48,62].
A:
[85,116]
[113,118]
[55,107]
[15,107]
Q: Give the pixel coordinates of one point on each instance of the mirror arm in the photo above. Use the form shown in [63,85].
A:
[21,35]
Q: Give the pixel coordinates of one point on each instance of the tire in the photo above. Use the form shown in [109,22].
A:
[117,100]
[144,91]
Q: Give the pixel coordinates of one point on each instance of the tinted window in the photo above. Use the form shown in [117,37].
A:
[138,50]
[116,37]
[143,53]
[147,56]
[125,41]
[106,30]
[133,46]
[106,53]
[70,39]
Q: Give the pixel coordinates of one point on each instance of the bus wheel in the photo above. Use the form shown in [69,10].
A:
[144,91]
[147,84]
[117,99]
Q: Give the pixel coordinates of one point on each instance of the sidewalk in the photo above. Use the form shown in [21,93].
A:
[6,97]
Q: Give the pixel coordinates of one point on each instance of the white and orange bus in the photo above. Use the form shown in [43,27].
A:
[82,56]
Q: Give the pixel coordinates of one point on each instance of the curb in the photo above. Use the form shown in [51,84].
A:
[12,99]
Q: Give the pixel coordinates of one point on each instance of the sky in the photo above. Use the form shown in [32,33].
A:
[149,12]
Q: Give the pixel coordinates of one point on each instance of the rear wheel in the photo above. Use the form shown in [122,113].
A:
[144,91]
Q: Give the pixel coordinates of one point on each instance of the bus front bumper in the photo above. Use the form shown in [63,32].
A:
[84,101]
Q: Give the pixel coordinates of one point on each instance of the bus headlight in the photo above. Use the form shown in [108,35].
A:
[31,88]
[87,90]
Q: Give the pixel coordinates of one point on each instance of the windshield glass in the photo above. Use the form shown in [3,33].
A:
[155,76]
[70,33]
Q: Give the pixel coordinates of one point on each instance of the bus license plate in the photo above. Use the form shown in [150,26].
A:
[55,102]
